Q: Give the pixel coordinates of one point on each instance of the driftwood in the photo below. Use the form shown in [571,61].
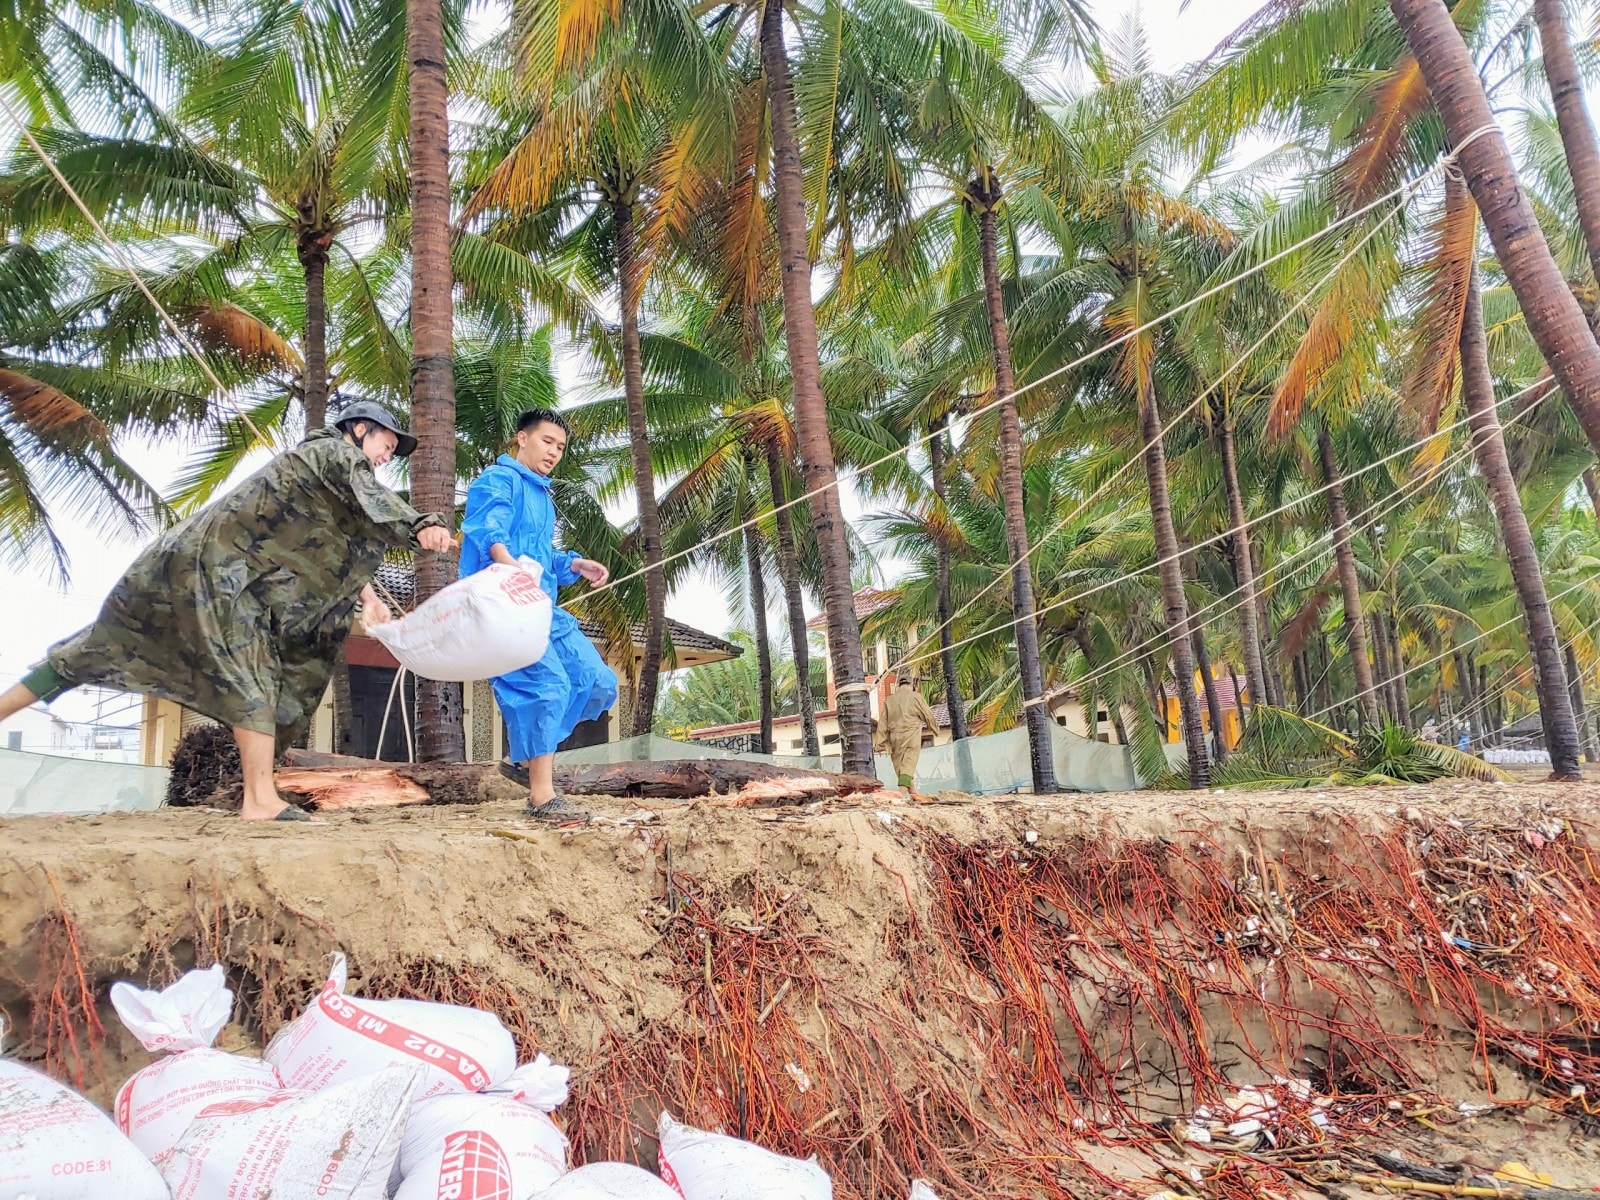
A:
[332,781]
[1443,1182]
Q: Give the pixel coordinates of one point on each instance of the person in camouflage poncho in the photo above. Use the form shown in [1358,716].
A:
[239,611]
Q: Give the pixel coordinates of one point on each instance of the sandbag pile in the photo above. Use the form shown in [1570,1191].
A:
[356,1099]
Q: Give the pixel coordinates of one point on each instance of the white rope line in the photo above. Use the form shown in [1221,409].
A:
[1237,363]
[1409,491]
[1405,189]
[127,265]
[1225,534]
[1478,637]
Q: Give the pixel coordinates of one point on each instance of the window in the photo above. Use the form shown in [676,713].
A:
[797,745]
[1101,715]
[14,740]
[831,740]
[1061,720]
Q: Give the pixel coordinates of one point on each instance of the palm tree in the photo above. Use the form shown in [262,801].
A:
[1554,317]
[440,736]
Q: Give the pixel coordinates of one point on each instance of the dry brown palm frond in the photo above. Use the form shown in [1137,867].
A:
[1297,630]
[1437,351]
[46,410]
[1349,308]
[747,253]
[229,328]
[1379,148]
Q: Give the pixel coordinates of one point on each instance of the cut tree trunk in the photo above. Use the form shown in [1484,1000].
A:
[1173,599]
[361,783]
[1489,448]
[947,655]
[1245,572]
[440,734]
[313,253]
[1572,119]
[758,617]
[630,271]
[794,600]
[1349,582]
[985,195]
[810,408]
[1552,313]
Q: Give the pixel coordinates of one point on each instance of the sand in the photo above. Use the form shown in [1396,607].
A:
[835,978]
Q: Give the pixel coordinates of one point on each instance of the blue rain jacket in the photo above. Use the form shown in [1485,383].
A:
[542,704]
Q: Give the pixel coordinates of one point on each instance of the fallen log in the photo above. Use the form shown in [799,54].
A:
[333,781]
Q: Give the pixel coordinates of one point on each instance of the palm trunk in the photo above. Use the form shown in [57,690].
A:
[1489,448]
[1553,315]
[644,481]
[986,196]
[1173,600]
[440,736]
[947,654]
[343,703]
[1398,686]
[1469,701]
[314,261]
[758,617]
[1202,662]
[1592,486]
[1349,582]
[1245,572]
[1269,667]
[810,410]
[1572,118]
[1380,660]
[789,572]
[1579,713]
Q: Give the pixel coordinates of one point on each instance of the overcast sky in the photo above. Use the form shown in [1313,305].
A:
[34,613]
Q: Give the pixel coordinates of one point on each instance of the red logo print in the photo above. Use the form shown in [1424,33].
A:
[474,1168]
[519,585]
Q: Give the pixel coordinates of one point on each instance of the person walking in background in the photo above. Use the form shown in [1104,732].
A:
[239,611]
[905,715]
[510,516]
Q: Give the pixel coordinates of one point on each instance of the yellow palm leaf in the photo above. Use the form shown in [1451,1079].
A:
[1399,99]
[1437,354]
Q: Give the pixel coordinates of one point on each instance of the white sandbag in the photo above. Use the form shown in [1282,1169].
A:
[500,1145]
[713,1166]
[337,1144]
[490,623]
[156,1104]
[55,1145]
[921,1191]
[607,1181]
[344,1037]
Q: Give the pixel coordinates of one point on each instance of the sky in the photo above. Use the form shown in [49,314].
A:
[35,612]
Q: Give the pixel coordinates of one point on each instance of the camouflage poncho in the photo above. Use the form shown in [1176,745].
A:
[238,612]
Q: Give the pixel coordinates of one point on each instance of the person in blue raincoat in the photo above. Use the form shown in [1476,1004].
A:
[510,515]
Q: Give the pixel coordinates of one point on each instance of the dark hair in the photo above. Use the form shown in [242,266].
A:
[539,416]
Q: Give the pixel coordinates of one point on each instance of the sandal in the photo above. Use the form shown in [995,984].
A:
[291,813]
[516,772]
[557,809]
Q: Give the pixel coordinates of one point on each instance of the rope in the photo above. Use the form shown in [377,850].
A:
[1478,637]
[1372,517]
[1161,436]
[1226,533]
[1405,190]
[127,265]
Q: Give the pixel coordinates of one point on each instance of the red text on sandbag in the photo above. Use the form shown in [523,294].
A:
[337,1006]
[474,1166]
[521,588]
